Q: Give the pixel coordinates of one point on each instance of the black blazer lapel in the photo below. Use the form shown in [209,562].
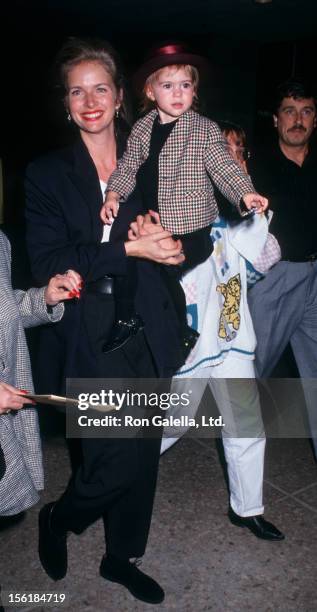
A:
[85,178]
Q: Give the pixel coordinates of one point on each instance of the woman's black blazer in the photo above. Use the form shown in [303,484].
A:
[63,201]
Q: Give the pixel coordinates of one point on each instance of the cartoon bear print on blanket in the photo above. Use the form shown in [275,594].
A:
[229,321]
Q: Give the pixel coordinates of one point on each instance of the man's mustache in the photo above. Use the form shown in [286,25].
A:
[296,128]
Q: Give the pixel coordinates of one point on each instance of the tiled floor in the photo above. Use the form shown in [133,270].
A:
[202,561]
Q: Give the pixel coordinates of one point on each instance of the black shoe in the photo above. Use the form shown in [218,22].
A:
[257,524]
[190,337]
[122,332]
[128,574]
[10,521]
[52,547]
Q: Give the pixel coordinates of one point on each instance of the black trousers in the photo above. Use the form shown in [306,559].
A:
[117,478]
[116,482]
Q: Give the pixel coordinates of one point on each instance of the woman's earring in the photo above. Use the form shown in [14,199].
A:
[69,117]
[117,112]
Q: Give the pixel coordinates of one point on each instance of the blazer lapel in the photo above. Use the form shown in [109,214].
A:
[85,178]
[178,138]
[145,135]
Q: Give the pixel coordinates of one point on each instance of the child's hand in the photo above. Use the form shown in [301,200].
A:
[256,202]
[110,208]
[109,211]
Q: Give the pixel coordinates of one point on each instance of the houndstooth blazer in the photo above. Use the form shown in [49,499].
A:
[193,154]
[19,432]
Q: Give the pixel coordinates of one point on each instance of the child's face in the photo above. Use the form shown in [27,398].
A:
[172,91]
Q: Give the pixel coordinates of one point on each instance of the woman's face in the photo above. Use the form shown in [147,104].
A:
[92,97]
[236,148]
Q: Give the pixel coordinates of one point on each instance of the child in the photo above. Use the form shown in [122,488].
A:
[172,153]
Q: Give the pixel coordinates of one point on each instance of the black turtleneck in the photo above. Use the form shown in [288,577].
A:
[148,174]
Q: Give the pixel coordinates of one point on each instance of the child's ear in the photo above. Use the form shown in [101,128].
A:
[149,93]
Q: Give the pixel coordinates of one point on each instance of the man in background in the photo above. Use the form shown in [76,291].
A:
[284,304]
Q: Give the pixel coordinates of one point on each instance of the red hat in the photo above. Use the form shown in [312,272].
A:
[166,55]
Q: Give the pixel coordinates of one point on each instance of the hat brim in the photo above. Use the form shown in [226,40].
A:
[155,63]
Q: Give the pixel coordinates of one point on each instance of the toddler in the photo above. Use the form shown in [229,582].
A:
[174,155]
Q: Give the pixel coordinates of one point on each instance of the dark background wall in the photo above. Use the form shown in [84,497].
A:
[251,48]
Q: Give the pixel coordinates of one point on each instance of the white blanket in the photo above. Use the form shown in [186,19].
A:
[216,294]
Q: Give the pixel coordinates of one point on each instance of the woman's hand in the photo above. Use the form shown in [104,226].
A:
[149,246]
[63,287]
[137,228]
[12,398]
[150,224]
[145,224]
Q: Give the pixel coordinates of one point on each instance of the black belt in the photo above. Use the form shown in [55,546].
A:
[103,285]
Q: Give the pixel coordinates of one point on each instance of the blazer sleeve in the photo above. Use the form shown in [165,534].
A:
[123,179]
[223,170]
[51,248]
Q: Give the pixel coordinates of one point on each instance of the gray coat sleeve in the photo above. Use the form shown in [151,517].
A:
[33,310]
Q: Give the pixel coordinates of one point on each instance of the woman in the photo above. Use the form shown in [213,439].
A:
[64,195]
[21,473]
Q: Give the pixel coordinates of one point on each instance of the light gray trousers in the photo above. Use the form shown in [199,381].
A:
[284,309]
